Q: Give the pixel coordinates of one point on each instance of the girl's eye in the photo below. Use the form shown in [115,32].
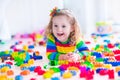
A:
[63,26]
[55,25]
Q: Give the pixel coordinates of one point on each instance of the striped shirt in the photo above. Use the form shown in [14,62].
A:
[55,47]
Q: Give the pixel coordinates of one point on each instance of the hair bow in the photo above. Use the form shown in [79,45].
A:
[54,11]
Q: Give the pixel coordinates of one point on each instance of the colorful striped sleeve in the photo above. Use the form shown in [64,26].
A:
[51,51]
[82,48]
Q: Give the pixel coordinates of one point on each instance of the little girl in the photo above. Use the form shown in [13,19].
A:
[64,41]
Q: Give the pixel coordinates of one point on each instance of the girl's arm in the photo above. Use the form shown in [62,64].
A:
[51,51]
[82,48]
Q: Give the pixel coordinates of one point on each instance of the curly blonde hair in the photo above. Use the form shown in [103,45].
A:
[75,35]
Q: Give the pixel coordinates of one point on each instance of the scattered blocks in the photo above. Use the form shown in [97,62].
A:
[55,78]
[67,75]
[3,77]
[119,73]
[53,62]
[25,72]
[73,72]
[47,75]
[10,72]
[18,77]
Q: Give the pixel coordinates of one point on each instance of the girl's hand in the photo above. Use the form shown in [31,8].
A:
[72,57]
[63,57]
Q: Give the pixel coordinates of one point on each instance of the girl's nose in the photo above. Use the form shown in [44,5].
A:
[59,29]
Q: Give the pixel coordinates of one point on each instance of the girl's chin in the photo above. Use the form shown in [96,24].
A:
[61,40]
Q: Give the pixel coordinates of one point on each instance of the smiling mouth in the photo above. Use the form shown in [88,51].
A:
[60,34]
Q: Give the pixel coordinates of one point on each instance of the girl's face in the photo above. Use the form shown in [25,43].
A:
[61,28]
